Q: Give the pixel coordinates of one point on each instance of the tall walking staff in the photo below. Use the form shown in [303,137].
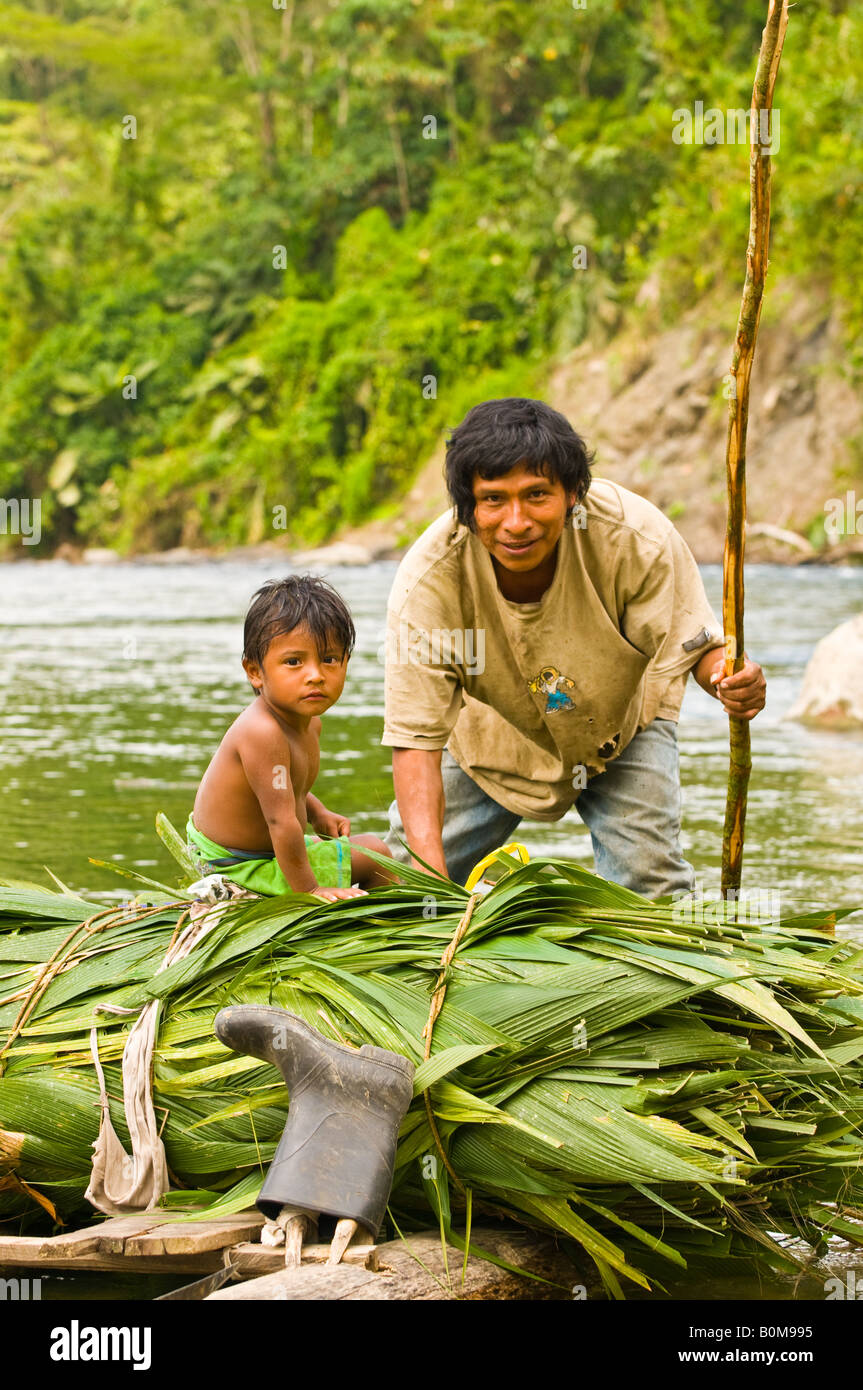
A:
[760,139]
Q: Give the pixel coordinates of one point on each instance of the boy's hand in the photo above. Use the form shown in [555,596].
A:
[333,895]
[330,824]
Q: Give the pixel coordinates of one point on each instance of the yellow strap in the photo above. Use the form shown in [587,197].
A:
[477,870]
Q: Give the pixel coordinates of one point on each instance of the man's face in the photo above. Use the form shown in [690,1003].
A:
[520,517]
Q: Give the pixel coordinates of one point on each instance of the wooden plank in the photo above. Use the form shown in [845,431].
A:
[22,1250]
[113,1234]
[107,1238]
[318,1254]
[29,1249]
[207,1262]
[250,1259]
[365,1256]
[192,1237]
[69,1243]
[262,1259]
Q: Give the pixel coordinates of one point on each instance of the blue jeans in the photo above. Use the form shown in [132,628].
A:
[632,811]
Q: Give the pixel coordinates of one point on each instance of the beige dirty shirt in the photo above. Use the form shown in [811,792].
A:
[524,695]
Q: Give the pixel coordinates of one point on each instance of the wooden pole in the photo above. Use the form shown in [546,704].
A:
[761,132]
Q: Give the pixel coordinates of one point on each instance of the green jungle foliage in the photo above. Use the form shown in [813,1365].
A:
[341,223]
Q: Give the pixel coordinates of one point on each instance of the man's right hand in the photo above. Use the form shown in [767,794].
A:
[418,786]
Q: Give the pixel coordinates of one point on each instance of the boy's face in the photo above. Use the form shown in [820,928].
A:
[296,676]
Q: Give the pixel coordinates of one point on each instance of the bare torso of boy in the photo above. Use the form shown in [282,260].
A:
[262,772]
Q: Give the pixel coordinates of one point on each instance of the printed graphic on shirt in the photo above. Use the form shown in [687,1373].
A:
[554,687]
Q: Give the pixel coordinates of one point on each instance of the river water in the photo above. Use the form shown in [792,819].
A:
[118,683]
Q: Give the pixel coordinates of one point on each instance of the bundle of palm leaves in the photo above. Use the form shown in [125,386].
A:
[650,1087]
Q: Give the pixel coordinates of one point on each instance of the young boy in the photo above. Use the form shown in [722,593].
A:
[256,795]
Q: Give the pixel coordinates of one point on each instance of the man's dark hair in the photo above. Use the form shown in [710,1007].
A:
[496,435]
[301,600]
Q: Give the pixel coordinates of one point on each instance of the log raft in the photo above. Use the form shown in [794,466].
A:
[409,1269]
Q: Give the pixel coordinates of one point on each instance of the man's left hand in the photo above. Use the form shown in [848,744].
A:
[744,694]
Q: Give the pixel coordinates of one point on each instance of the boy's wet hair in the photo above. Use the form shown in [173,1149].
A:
[495,436]
[301,600]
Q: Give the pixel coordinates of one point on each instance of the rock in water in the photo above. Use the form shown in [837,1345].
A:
[832,693]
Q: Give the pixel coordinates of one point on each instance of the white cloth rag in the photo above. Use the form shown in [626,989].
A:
[121,1182]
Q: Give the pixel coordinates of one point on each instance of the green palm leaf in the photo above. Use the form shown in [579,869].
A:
[645,1087]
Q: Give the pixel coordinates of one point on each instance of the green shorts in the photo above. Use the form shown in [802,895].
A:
[330,861]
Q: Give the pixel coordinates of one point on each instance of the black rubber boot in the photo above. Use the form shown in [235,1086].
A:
[338,1149]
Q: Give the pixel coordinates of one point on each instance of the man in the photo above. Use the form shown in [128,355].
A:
[537,652]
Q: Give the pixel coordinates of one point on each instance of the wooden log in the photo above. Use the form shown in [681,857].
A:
[308,1282]
[417,1269]
[441,1279]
